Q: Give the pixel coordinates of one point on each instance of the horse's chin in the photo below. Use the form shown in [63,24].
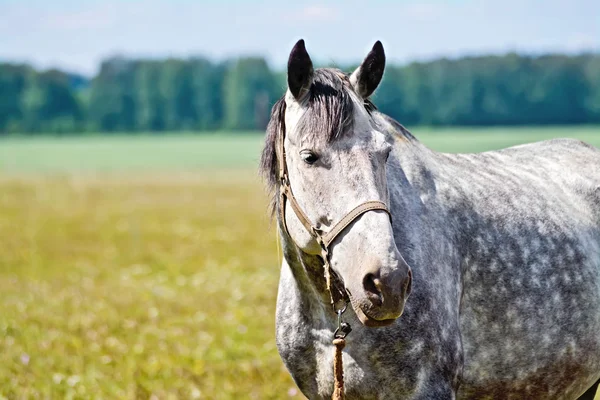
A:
[372,322]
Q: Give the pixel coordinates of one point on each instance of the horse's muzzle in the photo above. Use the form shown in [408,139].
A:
[384,293]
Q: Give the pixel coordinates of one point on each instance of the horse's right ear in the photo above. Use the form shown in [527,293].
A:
[300,70]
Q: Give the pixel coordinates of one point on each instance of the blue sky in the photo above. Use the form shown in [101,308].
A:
[77,34]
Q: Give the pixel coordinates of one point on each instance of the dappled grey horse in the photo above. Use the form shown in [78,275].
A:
[483,284]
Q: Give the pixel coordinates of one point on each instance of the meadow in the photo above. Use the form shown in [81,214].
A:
[146,266]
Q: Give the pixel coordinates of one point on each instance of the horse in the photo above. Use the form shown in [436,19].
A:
[468,276]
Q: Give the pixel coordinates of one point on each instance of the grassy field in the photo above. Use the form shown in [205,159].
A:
[146,267]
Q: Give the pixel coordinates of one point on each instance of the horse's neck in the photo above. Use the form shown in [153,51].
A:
[421,209]
[412,177]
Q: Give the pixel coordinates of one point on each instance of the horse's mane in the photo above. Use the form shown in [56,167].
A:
[329,112]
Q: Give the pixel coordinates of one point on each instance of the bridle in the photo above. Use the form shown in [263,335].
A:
[338,296]
[324,239]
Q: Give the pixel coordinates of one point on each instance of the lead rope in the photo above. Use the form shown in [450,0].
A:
[339,336]
[338,370]
[339,341]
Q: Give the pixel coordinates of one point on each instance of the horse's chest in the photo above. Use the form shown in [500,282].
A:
[370,372]
[416,358]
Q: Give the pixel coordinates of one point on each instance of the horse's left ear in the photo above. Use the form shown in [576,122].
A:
[366,78]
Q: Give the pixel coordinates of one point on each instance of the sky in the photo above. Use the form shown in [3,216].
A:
[76,35]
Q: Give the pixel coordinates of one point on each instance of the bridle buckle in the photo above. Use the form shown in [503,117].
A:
[284,180]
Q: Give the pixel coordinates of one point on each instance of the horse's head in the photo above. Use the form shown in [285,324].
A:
[335,159]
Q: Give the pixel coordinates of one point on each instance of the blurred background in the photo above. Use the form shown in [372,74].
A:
[137,258]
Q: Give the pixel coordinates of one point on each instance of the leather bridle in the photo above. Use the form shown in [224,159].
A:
[324,239]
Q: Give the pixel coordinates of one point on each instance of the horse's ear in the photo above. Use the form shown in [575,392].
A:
[366,78]
[300,70]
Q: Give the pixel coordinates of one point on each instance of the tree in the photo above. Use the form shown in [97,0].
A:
[12,85]
[49,104]
[249,92]
[197,94]
[207,93]
[151,101]
[112,103]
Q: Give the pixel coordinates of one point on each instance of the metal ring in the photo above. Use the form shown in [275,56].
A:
[340,311]
[343,328]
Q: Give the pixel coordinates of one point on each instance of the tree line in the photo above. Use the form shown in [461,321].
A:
[129,95]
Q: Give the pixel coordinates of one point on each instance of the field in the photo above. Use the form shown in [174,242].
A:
[188,152]
[146,266]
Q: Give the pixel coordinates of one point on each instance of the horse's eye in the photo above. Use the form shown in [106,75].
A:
[309,157]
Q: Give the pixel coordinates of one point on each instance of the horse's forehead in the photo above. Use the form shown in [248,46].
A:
[361,131]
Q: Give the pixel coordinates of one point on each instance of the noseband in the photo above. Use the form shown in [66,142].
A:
[324,238]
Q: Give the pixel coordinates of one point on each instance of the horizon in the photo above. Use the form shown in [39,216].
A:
[76,36]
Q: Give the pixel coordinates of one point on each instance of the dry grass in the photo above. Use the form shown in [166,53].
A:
[138,287]
[150,285]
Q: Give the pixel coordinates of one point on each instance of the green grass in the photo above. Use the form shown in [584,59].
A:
[155,275]
[469,140]
[129,152]
[216,151]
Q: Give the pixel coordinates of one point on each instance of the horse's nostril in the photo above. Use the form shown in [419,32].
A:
[371,285]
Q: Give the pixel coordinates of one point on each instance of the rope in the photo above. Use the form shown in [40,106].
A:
[338,370]
[327,274]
